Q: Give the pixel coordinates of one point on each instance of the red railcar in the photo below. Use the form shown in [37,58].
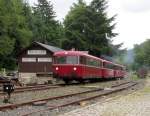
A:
[119,71]
[108,71]
[112,70]
[79,66]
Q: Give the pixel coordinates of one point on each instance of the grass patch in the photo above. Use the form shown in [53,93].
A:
[135,77]
[146,90]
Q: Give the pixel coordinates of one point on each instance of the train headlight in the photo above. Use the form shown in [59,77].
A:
[57,68]
[66,52]
[74,68]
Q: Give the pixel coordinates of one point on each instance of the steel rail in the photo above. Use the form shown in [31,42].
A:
[12,106]
[32,89]
[46,99]
[106,92]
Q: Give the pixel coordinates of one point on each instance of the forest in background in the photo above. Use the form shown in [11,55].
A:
[85,27]
[142,55]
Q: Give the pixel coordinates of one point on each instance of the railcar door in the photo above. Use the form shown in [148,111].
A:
[108,71]
[82,63]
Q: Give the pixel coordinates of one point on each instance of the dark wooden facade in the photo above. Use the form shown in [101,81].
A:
[37,58]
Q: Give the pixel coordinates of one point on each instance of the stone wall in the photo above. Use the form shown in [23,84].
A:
[31,78]
[28,78]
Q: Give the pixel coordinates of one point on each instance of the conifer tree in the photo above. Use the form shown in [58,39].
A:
[46,27]
[86,27]
[74,27]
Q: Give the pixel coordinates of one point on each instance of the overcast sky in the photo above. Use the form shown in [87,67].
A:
[133,18]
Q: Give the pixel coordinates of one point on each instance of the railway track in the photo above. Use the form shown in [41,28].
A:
[32,88]
[38,87]
[60,101]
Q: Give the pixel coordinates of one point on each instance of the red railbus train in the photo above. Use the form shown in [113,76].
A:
[80,66]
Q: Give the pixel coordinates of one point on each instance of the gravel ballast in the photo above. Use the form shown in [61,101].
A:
[135,104]
[26,96]
[33,95]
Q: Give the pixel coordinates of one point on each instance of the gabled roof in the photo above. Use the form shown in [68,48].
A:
[49,48]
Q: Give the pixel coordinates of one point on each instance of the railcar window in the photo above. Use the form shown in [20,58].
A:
[82,60]
[90,61]
[121,68]
[71,60]
[118,68]
[66,60]
[60,60]
[108,65]
[93,62]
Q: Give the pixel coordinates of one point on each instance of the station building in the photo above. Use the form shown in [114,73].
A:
[36,59]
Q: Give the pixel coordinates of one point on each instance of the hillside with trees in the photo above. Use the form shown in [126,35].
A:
[142,54]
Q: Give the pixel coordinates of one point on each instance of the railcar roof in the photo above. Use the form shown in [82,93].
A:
[61,53]
[113,63]
[119,65]
[80,53]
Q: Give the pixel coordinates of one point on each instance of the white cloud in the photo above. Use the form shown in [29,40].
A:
[133,27]
[32,2]
[136,5]
[61,7]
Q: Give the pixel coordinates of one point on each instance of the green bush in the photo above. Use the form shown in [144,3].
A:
[135,77]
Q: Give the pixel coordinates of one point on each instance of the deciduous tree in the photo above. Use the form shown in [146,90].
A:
[14,31]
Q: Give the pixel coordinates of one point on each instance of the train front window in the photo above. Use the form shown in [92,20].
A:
[66,60]
[60,60]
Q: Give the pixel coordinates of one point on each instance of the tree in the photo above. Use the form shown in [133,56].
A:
[74,27]
[27,13]
[142,54]
[47,29]
[14,32]
[88,27]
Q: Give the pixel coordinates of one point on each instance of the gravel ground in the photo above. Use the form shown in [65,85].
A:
[33,95]
[25,109]
[134,104]
[26,96]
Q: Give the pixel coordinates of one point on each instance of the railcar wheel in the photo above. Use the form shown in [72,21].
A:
[66,81]
[81,81]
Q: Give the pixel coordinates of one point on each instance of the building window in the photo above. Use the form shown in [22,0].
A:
[44,59]
[36,52]
[28,59]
